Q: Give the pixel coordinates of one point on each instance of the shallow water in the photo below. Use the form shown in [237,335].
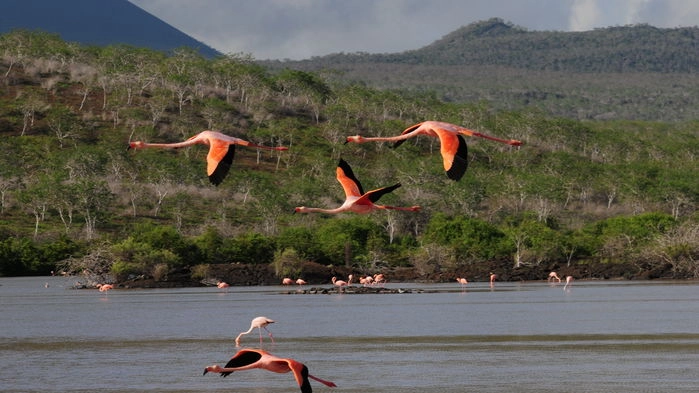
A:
[532,337]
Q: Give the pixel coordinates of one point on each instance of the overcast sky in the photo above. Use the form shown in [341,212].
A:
[300,29]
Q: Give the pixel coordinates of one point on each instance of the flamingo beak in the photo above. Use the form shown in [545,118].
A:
[205,371]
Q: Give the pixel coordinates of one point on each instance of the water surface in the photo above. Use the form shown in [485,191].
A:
[514,337]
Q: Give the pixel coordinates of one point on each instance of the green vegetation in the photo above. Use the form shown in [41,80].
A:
[607,194]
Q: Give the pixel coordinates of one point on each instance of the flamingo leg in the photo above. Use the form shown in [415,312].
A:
[271,337]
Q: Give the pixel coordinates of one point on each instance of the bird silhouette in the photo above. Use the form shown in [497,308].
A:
[259,323]
[357,200]
[452,145]
[221,151]
[247,359]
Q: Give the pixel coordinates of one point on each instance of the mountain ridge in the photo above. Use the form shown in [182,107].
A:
[100,23]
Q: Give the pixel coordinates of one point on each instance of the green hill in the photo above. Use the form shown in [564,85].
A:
[588,198]
[631,72]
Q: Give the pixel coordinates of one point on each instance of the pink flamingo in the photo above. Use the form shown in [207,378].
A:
[493,277]
[300,281]
[569,281]
[357,200]
[287,281]
[340,283]
[221,151]
[259,323]
[553,276]
[379,279]
[247,359]
[222,285]
[453,146]
[367,280]
[105,287]
[462,281]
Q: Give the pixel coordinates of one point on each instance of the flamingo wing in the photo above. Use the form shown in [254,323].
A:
[349,182]
[219,160]
[374,195]
[455,156]
[300,374]
[406,131]
[241,359]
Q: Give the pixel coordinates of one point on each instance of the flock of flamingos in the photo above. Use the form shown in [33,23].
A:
[452,147]
[218,163]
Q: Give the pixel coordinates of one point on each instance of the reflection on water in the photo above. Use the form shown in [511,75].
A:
[597,337]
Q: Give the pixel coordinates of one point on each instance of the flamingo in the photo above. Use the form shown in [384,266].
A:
[105,287]
[259,323]
[301,281]
[357,200]
[569,281]
[287,281]
[453,146]
[367,280]
[222,285]
[247,359]
[221,151]
[553,276]
[340,283]
[493,277]
[461,281]
[379,279]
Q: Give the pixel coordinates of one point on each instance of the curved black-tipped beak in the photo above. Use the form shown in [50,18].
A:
[346,142]
[205,371]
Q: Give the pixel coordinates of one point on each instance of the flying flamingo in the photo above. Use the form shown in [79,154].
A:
[247,359]
[553,276]
[453,146]
[221,151]
[259,323]
[569,281]
[462,281]
[357,200]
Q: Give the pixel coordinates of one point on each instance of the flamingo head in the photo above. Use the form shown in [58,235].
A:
[215,369]
[136,145]
[355,139]
[514,142]
[301,209]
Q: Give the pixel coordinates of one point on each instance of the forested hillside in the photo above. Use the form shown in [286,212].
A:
[627,72]
[598,198]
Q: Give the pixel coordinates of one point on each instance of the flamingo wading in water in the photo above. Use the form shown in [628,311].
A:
[452,145]
[221,151]
[357,200]
[248,359]
[259,323]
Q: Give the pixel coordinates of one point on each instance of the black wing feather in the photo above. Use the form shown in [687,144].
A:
[460,164]
[223,167]
[348,172]
[378,193]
